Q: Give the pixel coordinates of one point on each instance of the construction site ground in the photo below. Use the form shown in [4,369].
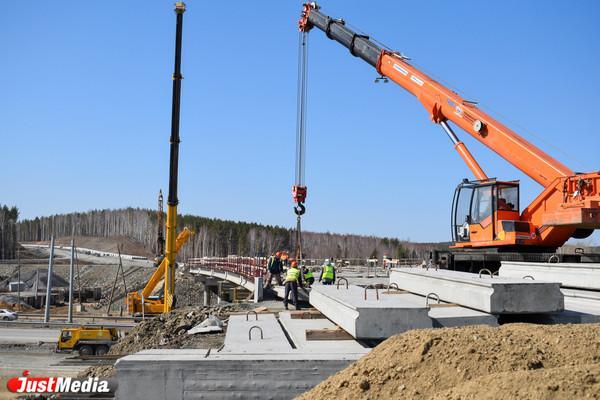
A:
[514,361]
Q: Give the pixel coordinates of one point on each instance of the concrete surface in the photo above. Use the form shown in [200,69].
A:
[195,374]
[371,318]
[576,275]
[491,295]
[273,340]
[296,330]
[28,335]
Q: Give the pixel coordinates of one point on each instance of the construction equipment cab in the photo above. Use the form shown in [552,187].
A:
[87,340]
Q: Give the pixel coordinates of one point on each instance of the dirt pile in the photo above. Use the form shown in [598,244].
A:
[478,362]
[168,331]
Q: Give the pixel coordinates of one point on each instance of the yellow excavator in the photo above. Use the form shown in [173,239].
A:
[142,302]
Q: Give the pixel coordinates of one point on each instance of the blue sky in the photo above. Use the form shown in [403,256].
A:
[85,94]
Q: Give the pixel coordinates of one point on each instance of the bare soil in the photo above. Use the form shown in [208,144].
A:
[513,361]
[168,331]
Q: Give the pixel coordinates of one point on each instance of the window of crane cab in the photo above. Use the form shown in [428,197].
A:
[508,198]
[482,204]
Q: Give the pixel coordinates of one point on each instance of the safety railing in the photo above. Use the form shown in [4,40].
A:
[248,267]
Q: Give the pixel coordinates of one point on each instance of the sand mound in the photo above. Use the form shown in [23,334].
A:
[511,361]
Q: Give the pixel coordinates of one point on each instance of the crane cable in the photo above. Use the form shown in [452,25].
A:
[299,189]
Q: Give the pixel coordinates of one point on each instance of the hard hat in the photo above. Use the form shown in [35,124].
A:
[278,254]
[327,261]
[294,264]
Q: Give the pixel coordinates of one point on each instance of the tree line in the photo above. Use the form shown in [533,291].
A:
[8,231]
[216,237]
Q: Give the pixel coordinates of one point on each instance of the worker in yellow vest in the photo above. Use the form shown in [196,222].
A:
[327,273]
[293,279]
[308,276]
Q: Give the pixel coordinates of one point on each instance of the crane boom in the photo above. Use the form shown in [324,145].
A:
[441,103]
[569,205]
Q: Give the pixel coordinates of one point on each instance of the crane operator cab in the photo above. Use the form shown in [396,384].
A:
[486,213]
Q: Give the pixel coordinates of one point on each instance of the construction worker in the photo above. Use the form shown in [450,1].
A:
[293,279]
[308,276]
[327,273]
[274,268]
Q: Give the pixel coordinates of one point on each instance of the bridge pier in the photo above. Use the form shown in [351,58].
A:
[258,288]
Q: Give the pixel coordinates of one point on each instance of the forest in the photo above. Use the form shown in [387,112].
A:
[216,237]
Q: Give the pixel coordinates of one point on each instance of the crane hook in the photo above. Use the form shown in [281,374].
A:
[299,209]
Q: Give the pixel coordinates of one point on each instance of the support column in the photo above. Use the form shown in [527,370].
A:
[258,288]
[206,299]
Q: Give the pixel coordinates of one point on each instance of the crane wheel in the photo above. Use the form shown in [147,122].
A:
[101,350]
[86,350]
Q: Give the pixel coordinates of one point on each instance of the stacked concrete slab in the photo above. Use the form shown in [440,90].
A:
[580,286]
[489,294]
[245,368]
[575,275]
[370,318]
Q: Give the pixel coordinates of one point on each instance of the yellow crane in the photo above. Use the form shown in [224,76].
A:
[139,302]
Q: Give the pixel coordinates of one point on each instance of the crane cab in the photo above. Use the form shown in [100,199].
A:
[486,214]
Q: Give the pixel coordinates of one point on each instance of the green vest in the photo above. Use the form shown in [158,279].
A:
[292,275]
[308,275]
[328,272]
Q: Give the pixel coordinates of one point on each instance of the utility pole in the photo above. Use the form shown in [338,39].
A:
[71,273]
[19,279]
[49,281]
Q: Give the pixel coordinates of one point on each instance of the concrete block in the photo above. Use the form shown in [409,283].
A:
[371,318]
[191,374]
[576,275]
[491,295]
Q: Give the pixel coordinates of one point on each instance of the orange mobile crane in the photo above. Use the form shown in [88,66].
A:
[487,224]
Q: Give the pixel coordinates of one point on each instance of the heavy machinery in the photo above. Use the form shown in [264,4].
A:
[140,302]
[87,340]
[487,222]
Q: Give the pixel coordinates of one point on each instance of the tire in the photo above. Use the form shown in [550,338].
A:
[86,350]
[5,318]
[101,350]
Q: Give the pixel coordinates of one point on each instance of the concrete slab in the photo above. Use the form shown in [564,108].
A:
[460,316]
[187,374]
[576,275]
[296,329]
[484,293]
[371,318]
[581,294]
[273,339]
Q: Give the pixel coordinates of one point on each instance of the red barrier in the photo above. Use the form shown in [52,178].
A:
[248,267]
